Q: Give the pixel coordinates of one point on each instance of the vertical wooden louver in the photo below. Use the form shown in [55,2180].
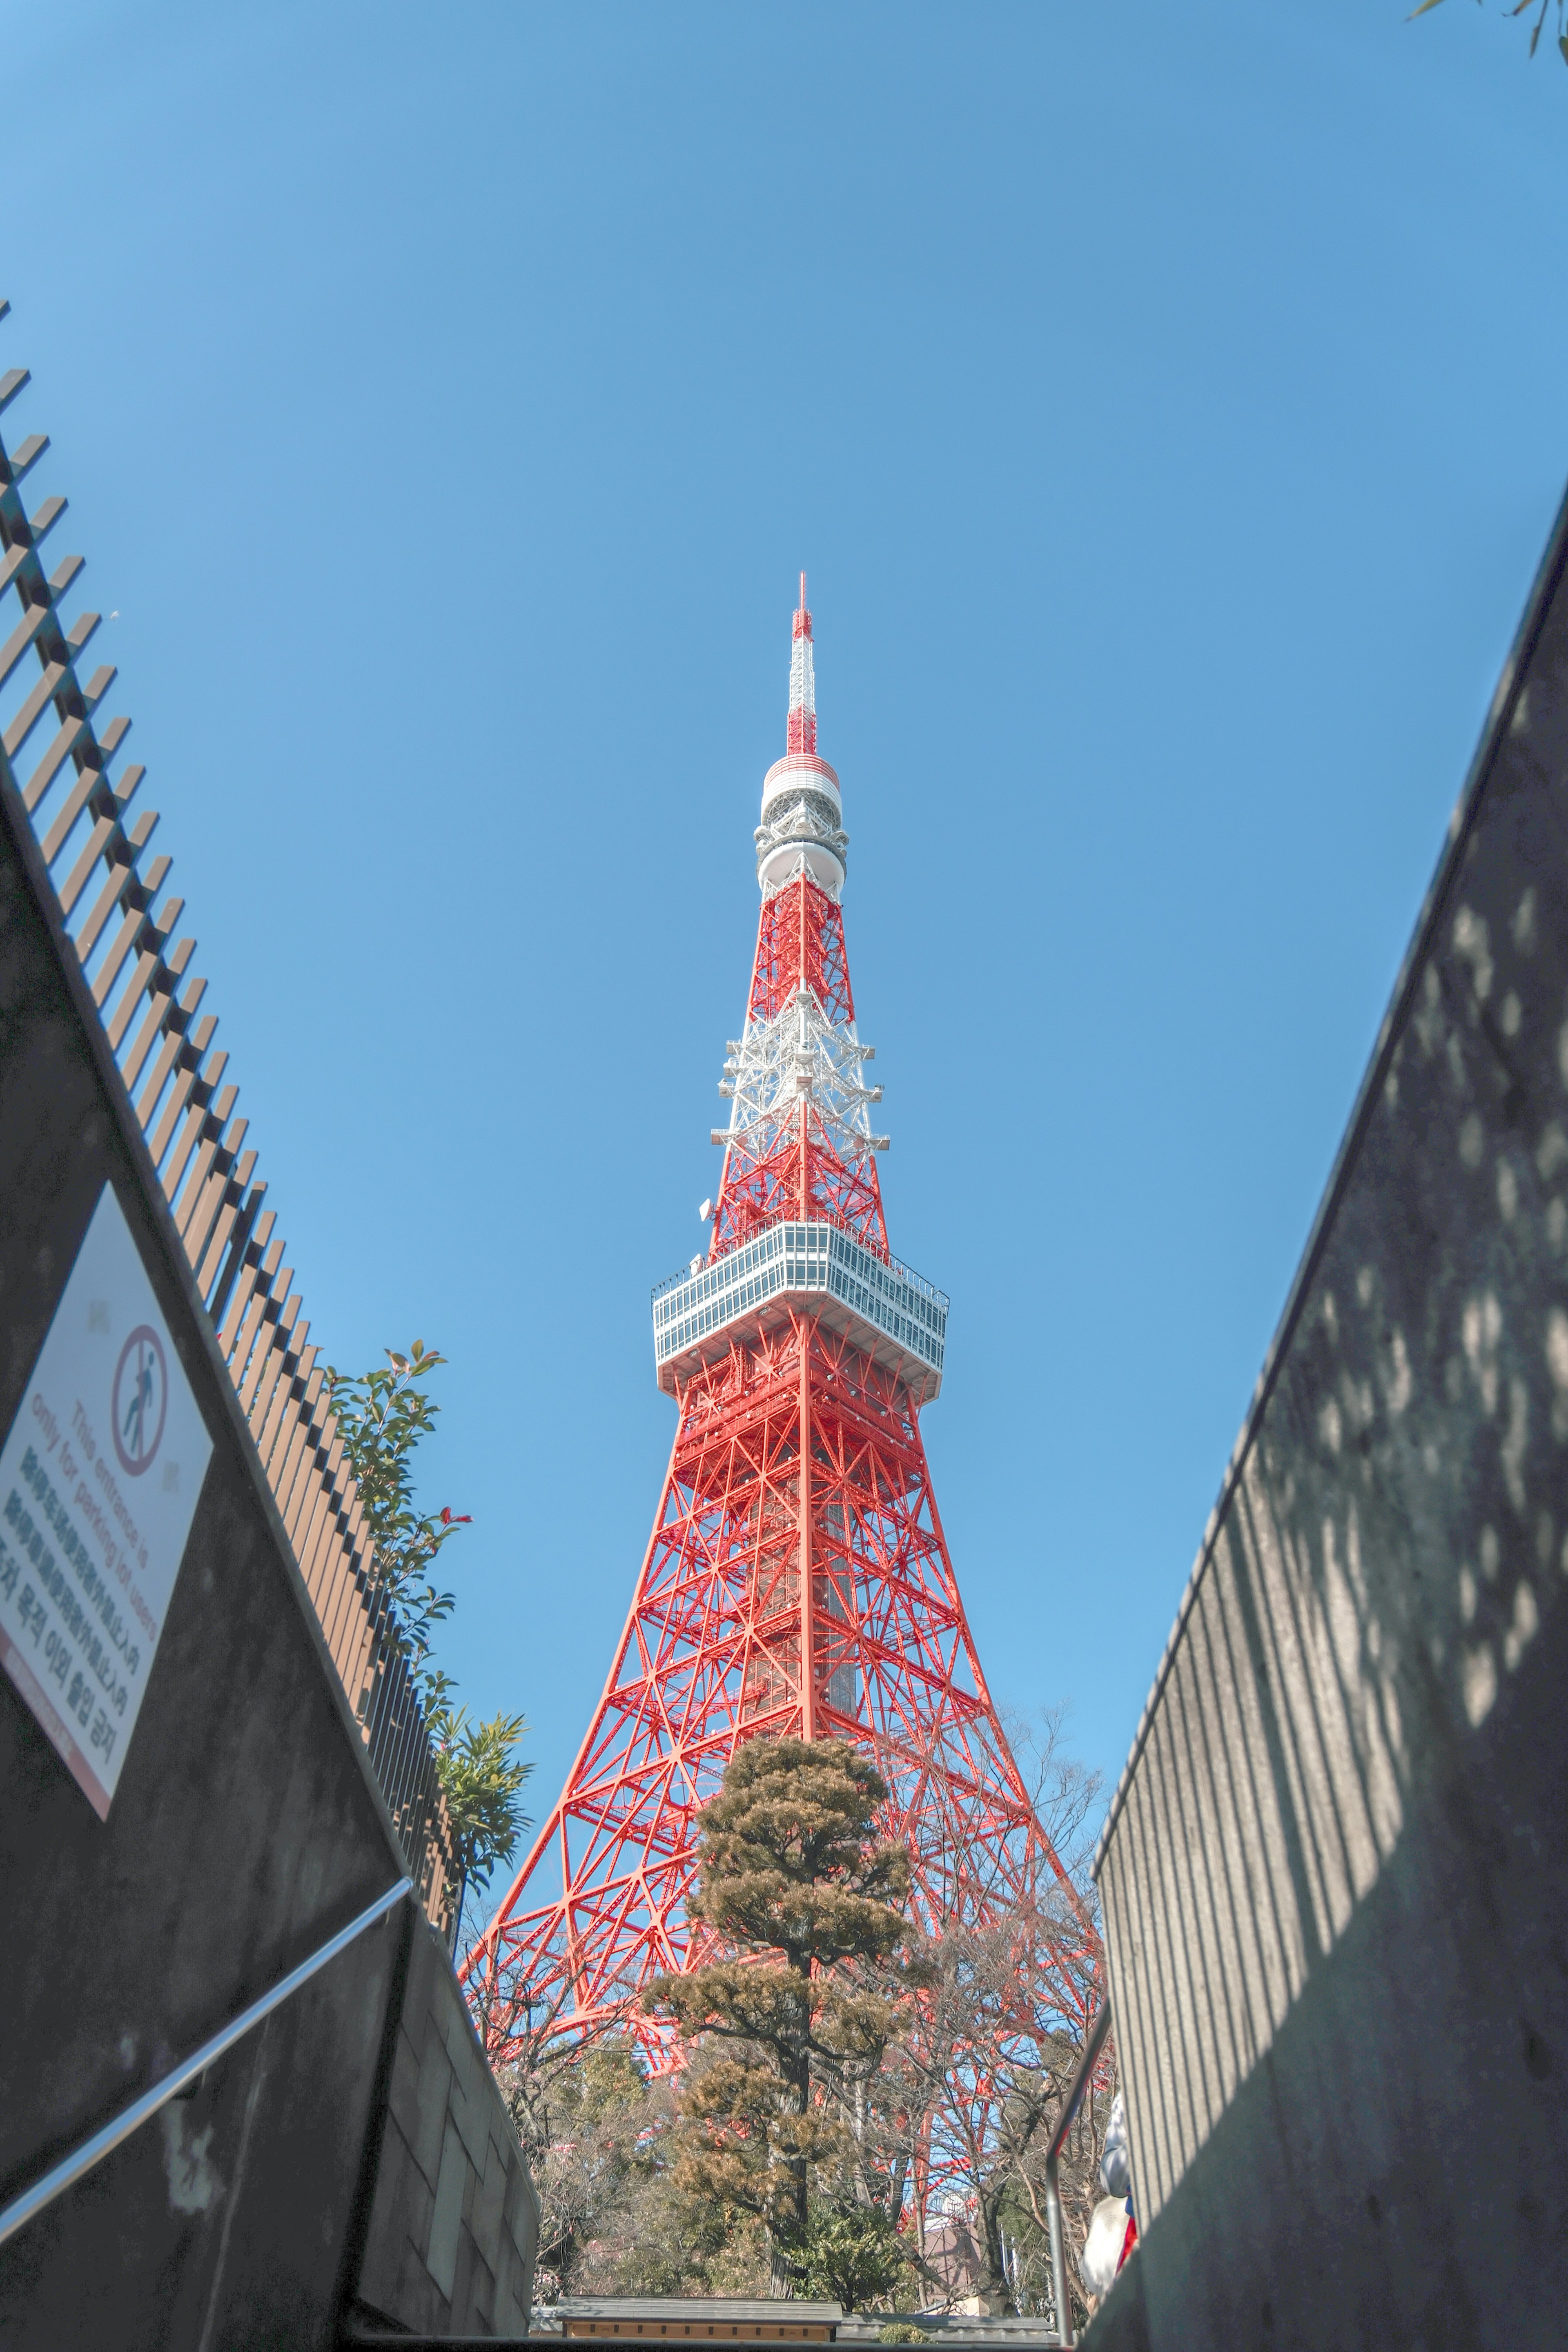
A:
[124,928]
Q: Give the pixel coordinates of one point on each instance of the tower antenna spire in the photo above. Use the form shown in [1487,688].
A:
[801,736]
[797,1582]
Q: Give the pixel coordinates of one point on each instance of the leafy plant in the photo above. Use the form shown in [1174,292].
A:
[1517,10]
[382,1415]
[597,2132]
[852,2255]
[481,1777]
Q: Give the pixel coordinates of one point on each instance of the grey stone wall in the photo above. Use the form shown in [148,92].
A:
[454,2221]
[1335,1880]
[243,1832]
[247,1829]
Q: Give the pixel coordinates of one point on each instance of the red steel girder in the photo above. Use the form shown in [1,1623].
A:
[714,1651]
[797,1581]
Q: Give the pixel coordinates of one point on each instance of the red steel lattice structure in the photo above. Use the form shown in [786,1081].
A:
[798,1580]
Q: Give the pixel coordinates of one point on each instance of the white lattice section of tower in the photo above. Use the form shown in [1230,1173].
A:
[801,1054]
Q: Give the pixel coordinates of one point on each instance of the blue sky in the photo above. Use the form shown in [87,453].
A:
[1165,408]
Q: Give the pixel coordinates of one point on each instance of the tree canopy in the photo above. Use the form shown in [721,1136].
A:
[796,1890]
[833,2055]
[382,1415]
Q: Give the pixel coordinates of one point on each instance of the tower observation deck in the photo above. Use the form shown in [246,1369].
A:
[798,1579]
[892,1315]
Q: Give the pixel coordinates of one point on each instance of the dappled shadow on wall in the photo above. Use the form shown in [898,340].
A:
[1390,1540]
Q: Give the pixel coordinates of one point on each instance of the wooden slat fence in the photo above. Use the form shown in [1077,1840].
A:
[124,924]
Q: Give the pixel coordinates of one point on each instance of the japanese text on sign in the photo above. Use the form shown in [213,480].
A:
[89,1554]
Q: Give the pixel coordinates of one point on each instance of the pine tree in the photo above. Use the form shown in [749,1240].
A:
[796,1889]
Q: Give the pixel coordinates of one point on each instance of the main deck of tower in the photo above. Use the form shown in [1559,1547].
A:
[898,1318]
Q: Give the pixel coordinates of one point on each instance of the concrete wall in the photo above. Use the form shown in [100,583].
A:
[1335,1881]
[246,1829]
[454,2221]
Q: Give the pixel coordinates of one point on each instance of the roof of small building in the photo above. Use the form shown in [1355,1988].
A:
[697,2306]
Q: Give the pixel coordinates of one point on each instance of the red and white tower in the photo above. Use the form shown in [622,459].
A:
[798,1578]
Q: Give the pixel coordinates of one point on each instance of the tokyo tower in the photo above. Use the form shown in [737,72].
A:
[798,1579]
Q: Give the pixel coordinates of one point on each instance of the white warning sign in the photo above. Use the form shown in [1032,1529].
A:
[99,1481]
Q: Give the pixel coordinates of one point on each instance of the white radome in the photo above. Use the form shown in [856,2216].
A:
[803,824]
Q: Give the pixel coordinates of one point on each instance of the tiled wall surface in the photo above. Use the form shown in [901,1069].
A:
[454,2223]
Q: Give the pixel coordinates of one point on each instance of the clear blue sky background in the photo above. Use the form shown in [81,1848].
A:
[1168,407]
